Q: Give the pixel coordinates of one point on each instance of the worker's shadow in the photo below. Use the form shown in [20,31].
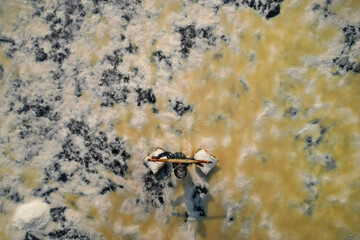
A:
[196,196]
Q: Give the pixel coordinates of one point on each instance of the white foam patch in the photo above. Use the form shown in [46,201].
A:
[139,119]
[102,204]
[242,182]
[132,232]
[185,231]
[226,141]
[78,219]
[248,151]
[266,223]
[208,143]
[154,233]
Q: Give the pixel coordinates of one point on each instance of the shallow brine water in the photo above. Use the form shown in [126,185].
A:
[268,87]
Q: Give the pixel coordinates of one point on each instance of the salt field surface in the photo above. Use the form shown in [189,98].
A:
[269,88]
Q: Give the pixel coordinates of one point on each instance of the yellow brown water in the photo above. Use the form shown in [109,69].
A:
[277,183]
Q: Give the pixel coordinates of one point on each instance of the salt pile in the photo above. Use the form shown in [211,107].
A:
[31,215]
